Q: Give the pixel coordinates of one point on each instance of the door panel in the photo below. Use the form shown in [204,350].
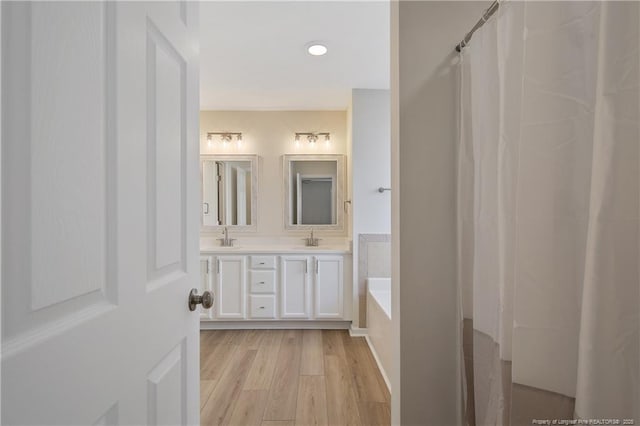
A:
[58,125]
[329,287]
[110,417]
[166,152]
[41,212]
[165,400]
[100,213]
[230,287]
[294,294]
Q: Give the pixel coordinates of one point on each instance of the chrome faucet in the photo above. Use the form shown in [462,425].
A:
[311,241]
[226,241]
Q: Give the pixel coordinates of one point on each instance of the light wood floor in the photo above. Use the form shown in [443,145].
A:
[289,377]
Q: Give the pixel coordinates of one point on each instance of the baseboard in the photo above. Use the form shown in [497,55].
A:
[357,332]
[375,356]
[274,325]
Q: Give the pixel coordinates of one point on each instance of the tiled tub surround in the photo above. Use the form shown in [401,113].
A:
[374,260]
[493,398]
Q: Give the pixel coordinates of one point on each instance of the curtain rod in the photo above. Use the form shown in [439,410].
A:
[485,16]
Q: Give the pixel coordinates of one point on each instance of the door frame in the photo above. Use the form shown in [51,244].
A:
[1,200]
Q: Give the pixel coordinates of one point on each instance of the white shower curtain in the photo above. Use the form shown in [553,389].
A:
[549,211]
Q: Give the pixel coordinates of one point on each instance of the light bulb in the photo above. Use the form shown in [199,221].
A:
[317,49]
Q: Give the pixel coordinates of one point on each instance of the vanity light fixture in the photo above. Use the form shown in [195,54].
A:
[313,137]
[225,137]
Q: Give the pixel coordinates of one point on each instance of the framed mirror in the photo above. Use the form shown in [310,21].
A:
[229,191]
[314,191]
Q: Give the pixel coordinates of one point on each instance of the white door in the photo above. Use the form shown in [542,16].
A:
[294,293]
[209,193]
[329,287]
[100,213]
[224,187]
[298,199]
[230,287]
[241,196]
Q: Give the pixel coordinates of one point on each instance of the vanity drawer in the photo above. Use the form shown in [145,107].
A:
[262,262]
[262,281]
[262,306]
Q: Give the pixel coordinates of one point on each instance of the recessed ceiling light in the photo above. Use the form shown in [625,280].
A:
[317,49]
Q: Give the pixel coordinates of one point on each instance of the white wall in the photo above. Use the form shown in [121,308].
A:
[424,84]
[270,135]
[371,161]
[371,168]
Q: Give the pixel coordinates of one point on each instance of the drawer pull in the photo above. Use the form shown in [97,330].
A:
[261,282]
[262,263]
[261,307]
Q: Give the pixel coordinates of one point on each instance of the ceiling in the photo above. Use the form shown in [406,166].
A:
[253,55]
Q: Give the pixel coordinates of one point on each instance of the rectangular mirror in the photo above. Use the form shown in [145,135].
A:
[314,188]
[229,191]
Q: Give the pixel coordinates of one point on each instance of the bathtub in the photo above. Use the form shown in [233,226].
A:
[379,323]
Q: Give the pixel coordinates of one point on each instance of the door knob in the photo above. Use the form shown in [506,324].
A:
[195,299]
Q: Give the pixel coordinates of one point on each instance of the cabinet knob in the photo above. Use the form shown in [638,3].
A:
[195,299]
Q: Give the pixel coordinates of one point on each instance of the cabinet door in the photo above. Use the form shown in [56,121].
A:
[329,287]
[230,287]
[294,292]
[205,284]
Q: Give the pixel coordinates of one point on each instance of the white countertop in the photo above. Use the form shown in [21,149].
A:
[248,249]
[285,245]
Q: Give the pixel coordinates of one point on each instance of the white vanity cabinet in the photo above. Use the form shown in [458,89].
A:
[279,286]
